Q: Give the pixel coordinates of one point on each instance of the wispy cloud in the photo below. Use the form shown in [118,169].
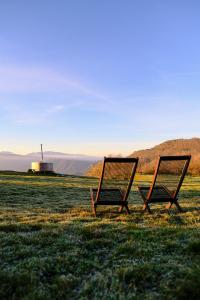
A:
[37,117]
[55,109]
[37,94]
[29,94]
[20,78]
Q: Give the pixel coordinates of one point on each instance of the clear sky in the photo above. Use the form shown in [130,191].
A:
[98,76]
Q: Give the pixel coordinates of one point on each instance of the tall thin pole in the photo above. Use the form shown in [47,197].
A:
[41,152]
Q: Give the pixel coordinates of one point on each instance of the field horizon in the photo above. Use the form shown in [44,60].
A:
[78,164]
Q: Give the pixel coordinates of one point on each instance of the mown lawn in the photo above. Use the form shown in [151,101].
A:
[52,247]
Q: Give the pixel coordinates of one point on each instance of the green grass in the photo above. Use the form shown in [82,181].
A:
[52,247]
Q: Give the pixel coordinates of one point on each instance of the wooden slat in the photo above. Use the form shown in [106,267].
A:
[121,159]
[175,157]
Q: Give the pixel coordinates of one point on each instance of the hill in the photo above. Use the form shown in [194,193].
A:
[148,157]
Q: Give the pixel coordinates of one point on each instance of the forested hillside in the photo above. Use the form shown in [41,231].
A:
[148,157]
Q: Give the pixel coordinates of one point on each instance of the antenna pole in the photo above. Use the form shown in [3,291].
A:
[41,152]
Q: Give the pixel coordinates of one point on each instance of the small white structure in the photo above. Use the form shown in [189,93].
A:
[42,166]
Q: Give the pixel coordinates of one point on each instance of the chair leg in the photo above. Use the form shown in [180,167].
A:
[169,205]
[127,209]
[146,207]
[94,210]
[121,209]
[178,206]
[93,207]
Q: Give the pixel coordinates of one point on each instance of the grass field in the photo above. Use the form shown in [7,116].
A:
[52,247]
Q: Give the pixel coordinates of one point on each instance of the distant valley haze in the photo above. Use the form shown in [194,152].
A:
[63,163]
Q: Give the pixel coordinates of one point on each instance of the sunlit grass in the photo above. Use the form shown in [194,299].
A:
[52,247]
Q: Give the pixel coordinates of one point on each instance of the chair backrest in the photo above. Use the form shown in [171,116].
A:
[170,173]
[118,173]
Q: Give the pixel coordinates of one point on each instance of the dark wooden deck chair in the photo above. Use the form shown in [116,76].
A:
[168,178]
[115,183]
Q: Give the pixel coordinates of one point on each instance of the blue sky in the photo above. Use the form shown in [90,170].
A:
[98,77]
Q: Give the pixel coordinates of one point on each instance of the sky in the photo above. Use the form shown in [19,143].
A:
[98,77]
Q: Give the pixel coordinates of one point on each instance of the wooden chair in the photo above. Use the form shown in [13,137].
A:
[115,183]
[168,178]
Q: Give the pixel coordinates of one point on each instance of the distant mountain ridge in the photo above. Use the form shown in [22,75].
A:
[8,153]
[48,154]
[74,164]
[148,157]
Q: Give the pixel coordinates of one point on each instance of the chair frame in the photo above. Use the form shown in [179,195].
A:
[173,198]
[123,203]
